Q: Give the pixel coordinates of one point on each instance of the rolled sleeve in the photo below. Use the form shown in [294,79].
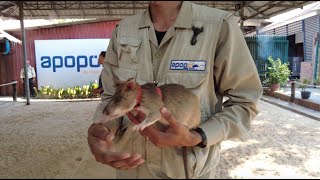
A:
[236,77]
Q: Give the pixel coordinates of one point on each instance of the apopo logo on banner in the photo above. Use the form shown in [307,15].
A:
[68,62]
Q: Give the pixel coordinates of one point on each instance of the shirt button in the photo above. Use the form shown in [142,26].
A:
[157,56]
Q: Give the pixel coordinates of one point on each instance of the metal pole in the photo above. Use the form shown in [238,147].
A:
[23,33]
[242,15]
[241,24]
[315,72]
[293,91]
[14,92]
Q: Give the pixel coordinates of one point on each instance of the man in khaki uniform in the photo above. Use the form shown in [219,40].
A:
[203,49]
[31,76]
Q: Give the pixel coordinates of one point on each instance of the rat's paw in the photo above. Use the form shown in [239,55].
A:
[139,127]
[135,128]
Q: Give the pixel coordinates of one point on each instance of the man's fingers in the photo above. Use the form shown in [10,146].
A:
[141,116]
[132,165]
[133,118]
[168,116]
[127,163]
[138,118]
[154,135]
[116,156]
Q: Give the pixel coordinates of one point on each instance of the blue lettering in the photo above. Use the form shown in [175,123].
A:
[91,62]
[45,62]
[54,65]
[73,64]
[69,61]
[79,66]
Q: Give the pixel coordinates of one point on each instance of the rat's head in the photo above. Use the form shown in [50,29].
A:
[124,99]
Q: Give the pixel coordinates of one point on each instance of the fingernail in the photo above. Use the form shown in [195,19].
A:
[164,110]
[109,137]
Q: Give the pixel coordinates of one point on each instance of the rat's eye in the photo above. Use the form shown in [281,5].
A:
[117,99]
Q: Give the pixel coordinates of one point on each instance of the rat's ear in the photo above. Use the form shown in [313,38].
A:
[131,80]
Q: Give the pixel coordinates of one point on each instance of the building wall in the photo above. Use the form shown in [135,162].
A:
[308,27]
[11,65]
[311,28]
[281,31]
[306,70]
[294,28]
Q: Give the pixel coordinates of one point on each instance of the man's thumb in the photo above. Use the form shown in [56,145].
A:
[168,116]
[109,137]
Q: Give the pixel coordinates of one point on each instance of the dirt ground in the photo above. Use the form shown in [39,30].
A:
[48,140]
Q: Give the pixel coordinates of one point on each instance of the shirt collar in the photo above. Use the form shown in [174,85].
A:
[184,18]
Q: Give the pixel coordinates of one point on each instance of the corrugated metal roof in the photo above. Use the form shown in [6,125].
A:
[306,13]
[9,37]
[113,9]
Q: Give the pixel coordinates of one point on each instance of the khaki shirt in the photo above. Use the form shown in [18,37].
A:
[225,69]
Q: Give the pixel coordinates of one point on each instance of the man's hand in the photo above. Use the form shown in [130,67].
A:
[176,135]
[103,149]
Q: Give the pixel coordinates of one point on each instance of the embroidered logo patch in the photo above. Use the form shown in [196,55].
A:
[188,65]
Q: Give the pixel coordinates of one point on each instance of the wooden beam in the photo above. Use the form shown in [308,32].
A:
[254,9]
[270,6]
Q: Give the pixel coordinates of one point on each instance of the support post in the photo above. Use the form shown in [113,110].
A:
[23,33]
[293,91]
[242,16]
[14,92]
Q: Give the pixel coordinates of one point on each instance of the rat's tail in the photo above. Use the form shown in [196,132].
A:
[185,160]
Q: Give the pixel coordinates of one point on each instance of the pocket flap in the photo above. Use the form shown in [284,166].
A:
[130,41]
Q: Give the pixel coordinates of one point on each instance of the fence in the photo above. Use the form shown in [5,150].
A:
[14,89]
[263,46]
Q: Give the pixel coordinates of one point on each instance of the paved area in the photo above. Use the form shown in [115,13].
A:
[293,107]
[48,140]
[315,93]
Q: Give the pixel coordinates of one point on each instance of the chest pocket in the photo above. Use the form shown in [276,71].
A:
[196,82]
[127,52]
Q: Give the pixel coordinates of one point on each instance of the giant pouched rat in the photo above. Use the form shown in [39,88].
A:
[149,98]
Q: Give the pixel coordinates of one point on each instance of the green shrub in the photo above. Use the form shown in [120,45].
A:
[278,72]
[86,91]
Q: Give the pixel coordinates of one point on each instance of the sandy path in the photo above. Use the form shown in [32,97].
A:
[43,140]
[48,140]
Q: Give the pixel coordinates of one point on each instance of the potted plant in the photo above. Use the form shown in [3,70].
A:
[304,93]
[278,73]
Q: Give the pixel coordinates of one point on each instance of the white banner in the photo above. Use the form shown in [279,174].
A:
[68,62]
